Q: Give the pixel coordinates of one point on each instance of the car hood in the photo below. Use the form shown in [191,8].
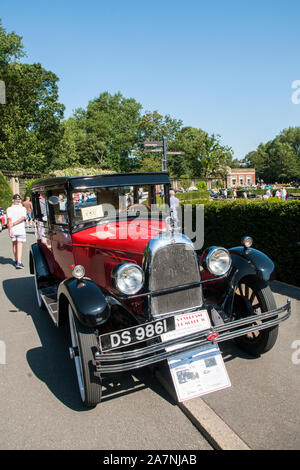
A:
[129,236]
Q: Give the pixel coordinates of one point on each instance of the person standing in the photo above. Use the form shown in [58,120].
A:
[16,216]
[28,206]
[283,193]
[174,204]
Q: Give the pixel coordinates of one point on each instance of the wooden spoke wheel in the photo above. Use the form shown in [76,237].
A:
[253,297]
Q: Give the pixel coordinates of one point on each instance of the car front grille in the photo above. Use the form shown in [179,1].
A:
[174,265]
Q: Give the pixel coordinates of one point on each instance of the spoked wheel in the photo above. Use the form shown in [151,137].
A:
[253,297]
[83,345]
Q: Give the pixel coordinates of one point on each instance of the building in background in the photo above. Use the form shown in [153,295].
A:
[240,177]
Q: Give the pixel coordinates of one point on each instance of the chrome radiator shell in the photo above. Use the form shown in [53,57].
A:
[170,260]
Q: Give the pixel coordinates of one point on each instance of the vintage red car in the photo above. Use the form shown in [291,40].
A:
[111,262]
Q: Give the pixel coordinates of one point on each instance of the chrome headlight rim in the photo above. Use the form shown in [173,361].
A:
[208,260]
[118,277]
[78,271]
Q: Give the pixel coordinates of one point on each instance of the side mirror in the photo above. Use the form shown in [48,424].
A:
[53,200]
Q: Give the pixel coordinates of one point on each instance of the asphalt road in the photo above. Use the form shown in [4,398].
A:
[40,407]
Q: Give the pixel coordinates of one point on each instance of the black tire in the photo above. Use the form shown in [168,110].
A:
[84,344]
[255,296]
[1,227]
[39,299]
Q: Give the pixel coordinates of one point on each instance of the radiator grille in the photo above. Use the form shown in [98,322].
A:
[174,265]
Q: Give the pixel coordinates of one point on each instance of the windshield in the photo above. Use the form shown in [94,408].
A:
[97,204]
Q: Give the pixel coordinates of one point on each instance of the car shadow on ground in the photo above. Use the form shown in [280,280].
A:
[51,363]
[285,289]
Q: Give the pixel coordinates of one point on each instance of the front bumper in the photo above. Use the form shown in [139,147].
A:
[108,362]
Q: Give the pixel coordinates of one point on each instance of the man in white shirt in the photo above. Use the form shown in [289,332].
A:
[16,216]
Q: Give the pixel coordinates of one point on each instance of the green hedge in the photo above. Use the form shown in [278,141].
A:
[192,195]
[6,193]
[273,225]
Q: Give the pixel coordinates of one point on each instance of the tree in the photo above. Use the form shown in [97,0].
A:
[5,192]
[30,127]
[204,154]
[279,159]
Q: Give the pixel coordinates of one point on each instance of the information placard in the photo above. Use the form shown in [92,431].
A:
[201,370]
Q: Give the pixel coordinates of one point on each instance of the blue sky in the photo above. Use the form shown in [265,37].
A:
[224,66]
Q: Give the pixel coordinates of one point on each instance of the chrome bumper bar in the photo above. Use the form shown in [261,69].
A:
[156,352]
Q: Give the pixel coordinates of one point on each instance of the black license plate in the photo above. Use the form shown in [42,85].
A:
[136,334]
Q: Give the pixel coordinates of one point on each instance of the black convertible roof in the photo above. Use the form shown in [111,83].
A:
[115,179]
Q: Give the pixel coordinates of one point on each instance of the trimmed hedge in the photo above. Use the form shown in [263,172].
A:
[192,195]
[273,225]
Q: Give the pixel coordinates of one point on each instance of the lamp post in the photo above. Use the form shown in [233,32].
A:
[2,92]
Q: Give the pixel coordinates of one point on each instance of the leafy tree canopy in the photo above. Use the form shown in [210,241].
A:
[279,159]
[30,121]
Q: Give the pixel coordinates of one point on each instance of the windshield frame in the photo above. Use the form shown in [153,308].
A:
[82,225]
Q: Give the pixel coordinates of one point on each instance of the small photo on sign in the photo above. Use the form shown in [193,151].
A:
[93,212]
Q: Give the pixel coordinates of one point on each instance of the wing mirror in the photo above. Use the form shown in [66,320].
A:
[53,200]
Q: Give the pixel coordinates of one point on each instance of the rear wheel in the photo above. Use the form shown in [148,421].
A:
[84,343]
[252,297]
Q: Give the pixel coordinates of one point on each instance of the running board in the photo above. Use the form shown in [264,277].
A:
[49,297]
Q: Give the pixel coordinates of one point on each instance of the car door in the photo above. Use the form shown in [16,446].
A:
[43,234]
[61,243]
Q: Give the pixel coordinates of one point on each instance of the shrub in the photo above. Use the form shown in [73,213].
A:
[81,171]
[201,186]
[6,193]
[273,225]
[193,195]
[29,183]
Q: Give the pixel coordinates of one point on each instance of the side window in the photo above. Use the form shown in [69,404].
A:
[58,212]
[39,206]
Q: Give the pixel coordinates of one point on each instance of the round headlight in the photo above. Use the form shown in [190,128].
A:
[128,278]
[217,261]
[78,271]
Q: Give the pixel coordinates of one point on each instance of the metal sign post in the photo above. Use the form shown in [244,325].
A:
[164,159]
[2,92]
[160,146]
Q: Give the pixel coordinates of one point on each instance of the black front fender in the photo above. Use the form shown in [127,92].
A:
[86,299]
[249,262]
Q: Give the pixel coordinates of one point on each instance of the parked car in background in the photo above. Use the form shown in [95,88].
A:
[122,277]
[3,219]
[293,196]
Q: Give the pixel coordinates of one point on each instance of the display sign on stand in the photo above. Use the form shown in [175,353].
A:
[201,370]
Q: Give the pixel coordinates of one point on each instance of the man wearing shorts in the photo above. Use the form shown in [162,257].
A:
[16,216]
[28,206]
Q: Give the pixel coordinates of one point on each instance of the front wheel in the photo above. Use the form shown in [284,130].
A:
[84,343]
[254,296]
